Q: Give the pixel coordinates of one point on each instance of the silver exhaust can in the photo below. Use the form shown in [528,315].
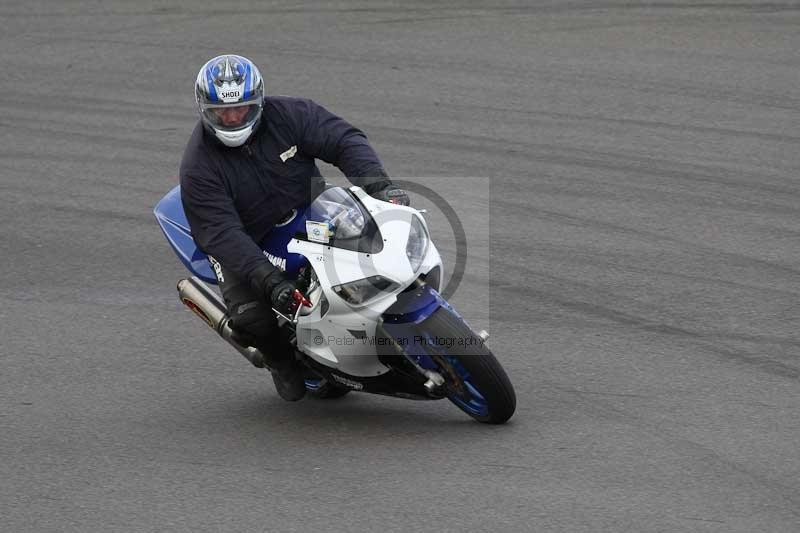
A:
[208,305]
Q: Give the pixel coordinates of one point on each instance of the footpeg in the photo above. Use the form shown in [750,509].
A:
[435,380]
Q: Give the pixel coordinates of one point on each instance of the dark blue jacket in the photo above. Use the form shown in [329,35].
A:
[234,196]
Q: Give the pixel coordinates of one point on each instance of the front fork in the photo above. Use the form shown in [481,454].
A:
[411,365]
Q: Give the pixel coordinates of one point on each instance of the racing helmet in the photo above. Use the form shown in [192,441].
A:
[230,94]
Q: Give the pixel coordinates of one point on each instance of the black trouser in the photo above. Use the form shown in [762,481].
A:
[252,318]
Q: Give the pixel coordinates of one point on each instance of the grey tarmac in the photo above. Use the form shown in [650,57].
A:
[629,172]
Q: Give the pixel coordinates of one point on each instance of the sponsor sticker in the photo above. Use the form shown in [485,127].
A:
[318,231]
[277,261]
[348,382]
[289,153]
[217,269]
[230,93]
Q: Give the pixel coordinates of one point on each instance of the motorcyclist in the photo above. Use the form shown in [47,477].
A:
[251,160]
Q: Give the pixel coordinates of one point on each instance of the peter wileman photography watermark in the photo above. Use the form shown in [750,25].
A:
[427,341]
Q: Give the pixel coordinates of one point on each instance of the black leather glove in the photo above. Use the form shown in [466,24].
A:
[282,297]
[273,287]
[392,194]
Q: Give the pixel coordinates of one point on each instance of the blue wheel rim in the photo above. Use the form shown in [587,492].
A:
[474,402]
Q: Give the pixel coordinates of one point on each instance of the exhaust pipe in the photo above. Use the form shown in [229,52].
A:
[208,305]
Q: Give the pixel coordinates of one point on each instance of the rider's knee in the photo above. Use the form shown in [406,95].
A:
[253,318]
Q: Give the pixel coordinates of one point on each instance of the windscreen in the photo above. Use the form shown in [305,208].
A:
[337,219]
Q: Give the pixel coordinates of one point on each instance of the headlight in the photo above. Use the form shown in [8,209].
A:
[417,243]
[362,290]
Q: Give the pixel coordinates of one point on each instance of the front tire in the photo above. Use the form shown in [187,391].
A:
[474,380]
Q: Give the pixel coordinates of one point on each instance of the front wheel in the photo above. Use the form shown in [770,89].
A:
[474,379]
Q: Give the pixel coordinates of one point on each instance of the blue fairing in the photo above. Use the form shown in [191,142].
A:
[172,219]
[413,308]
[277,240]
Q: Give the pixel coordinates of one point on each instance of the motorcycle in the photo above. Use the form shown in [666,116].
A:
[368,314]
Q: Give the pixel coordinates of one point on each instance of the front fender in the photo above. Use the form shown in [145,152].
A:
[411,309]
[414,305]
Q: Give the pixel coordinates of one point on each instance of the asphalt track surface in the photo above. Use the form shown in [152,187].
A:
[638,165]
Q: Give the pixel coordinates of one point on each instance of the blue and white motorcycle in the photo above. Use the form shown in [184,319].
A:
[369,316]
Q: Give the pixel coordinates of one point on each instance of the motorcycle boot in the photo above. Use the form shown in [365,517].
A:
[289,380]
[287,372]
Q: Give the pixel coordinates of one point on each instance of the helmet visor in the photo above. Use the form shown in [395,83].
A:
[231,117]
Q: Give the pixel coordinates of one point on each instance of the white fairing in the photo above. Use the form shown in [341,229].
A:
[345,337]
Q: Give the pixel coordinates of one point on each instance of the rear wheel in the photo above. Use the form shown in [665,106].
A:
[474,380]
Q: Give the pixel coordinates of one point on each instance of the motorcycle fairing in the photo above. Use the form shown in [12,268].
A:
[172,219]
[328,337]
[394,382]
[276,241]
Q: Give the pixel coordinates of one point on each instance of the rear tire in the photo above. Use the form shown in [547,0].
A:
[469,367]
